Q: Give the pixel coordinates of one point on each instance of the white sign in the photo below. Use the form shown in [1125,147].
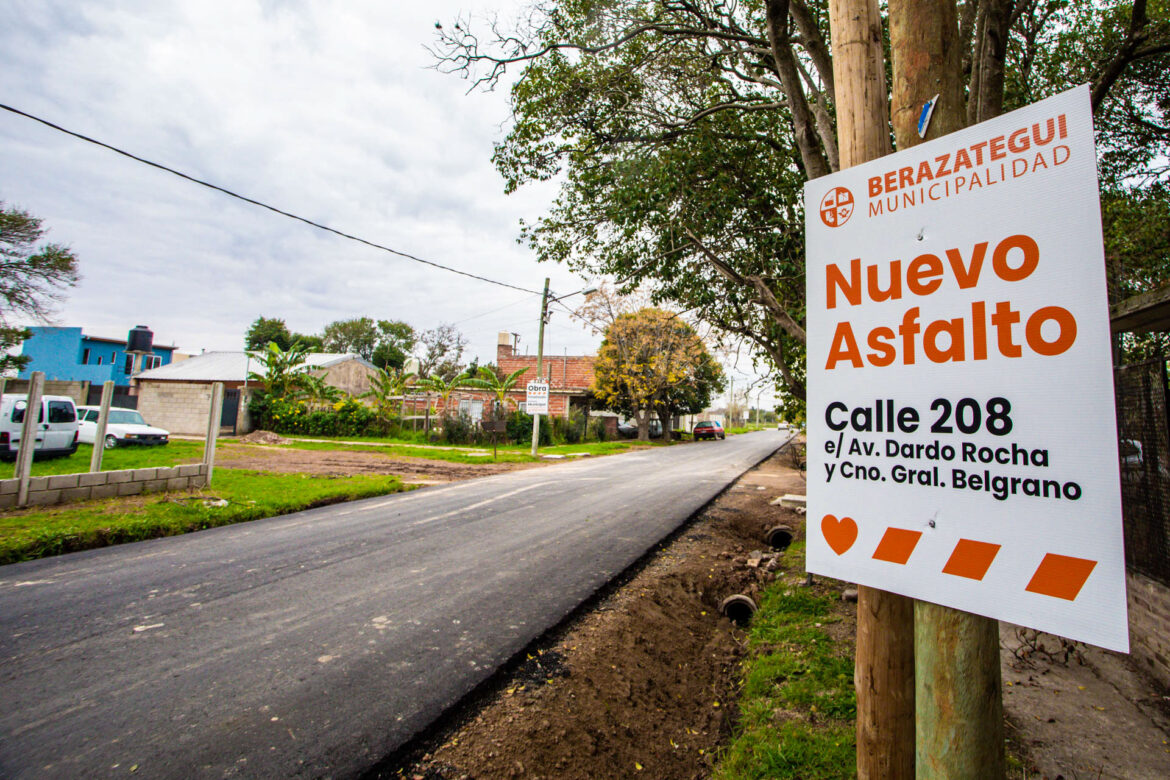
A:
[962,446]
[537,401]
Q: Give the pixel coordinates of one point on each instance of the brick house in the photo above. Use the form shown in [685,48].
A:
[569,379]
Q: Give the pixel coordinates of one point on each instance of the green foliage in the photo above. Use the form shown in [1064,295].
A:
[653,361]
[288,415]
[387,388]
[520,430]
[265,331]
[285,371]
[32,276]
[495,383]
[797,704]
[385,343]
[442,352]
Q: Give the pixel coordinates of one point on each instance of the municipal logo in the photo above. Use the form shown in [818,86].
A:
[837,207]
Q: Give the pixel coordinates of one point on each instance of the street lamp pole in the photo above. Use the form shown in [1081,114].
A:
[540,362]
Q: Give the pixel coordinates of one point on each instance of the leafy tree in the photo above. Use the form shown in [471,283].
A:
[682,132]
[442,352]
[652,362]
[496,383]
[384,342]
[31,277]
[265,331]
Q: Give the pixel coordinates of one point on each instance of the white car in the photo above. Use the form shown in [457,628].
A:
[125,426]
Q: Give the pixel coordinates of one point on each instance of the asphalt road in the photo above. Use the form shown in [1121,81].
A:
[314,644]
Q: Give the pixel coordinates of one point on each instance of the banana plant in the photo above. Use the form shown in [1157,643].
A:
[386,386]
[442,387]
[496,384]
[285,371]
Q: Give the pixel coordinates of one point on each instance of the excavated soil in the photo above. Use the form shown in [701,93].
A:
[641,682]
[288,460]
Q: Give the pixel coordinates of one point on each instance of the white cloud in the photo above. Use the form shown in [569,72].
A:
[325,109]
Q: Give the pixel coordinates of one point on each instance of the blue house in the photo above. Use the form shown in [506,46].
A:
[70,355]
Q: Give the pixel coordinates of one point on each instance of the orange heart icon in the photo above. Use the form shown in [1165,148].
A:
[840,534]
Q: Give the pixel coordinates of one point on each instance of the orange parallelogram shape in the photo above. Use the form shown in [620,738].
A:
[896,545]
[971,559]
[1061,576]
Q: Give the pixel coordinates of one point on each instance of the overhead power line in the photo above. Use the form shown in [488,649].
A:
[262,205]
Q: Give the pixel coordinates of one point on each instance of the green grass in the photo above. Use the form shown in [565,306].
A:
[511,453]
[41,532]
[171,454]
[797,704]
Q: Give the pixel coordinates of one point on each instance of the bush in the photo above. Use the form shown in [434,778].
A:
[284,415]
[459,429]
[520,430]
[596,430]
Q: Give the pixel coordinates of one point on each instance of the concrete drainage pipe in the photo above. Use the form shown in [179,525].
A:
[739,609]
[778,538]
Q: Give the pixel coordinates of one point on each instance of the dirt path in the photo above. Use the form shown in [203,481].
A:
[640,684]
[343,462]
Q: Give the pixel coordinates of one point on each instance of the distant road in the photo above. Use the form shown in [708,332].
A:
[315,644]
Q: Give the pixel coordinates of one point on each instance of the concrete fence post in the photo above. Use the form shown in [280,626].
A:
[99,436]
[28,435]
[213,419]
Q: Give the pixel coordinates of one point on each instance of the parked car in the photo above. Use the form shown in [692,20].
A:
[56,431]
[629,429]
[125,426]
[708,429]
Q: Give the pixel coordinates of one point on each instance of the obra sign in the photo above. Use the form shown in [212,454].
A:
[536,401]
[962,441]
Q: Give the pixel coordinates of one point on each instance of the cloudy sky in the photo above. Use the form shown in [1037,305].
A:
[328,110]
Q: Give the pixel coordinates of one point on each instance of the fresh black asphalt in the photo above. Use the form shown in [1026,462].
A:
[315,644]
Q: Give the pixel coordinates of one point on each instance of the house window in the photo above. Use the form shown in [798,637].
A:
[99,360]
[85,356]
[151,361]
[129,364]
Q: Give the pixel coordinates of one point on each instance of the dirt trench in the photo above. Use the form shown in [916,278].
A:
[641,683]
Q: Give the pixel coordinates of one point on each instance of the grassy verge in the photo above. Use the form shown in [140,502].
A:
[797,705]
[45,531]
[507,454]
[172,454]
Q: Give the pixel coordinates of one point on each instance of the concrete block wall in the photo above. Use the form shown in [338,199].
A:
[179,407]
[1149,617]
[63,488]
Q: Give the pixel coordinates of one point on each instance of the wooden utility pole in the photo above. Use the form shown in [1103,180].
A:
[957,689]
[884,670]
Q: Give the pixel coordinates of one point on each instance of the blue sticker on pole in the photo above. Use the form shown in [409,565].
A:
[924,117]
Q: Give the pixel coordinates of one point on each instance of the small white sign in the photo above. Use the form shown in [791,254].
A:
[962,445]
[537,400]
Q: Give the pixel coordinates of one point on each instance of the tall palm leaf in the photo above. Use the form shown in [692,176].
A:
[492,382]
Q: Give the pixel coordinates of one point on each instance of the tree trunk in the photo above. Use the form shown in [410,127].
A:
[664,418]
[884,670]
[643,418]
[957,687]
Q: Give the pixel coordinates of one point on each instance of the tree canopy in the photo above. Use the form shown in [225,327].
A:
[683,131]
[33,277]
[442,351]
[653,362]
[382,342]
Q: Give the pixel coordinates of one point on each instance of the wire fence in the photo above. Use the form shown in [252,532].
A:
[1144,447]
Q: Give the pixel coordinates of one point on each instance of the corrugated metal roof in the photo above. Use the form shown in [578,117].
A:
[234,366]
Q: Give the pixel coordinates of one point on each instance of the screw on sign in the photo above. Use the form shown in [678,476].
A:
[837,207]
